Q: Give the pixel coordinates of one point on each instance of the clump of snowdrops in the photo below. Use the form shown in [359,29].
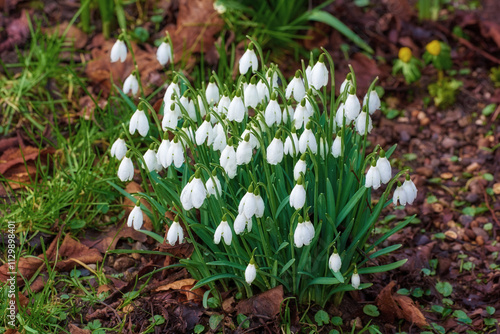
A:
[270,179]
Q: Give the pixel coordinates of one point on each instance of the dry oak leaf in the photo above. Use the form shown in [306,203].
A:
[107,240]
[185,285]
[267,303]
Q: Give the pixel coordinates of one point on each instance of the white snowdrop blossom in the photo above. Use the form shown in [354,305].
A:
[223,105]
[296,88]
[228,160]
[304,233]
[244,152]
[118,149]
[126,170]
[241,222]
[308,140]
[302,115]
[254,142]
[201,106]
[170,117]
[274,153]
[212,93]
[262,91]
[374,102]
[251,95]
[220,137]
[260,207]
[384,168]
[205,132]
[118,51]
[213,186]
[135,218]
[410,190]
[337,147]
[139,122]
[175,233]
[248,204]
[151,161]
[372,177]
[164,53]
[346,84]
[194,193]
[250,273]
[355,280]
[188,104]
[162,153]
[352,107]
[223,231]
[340,115]
[319,74]
[272,113]
[323,148]
[309,74]
[236,110]
[399,195]
[249,59]
[291,144]
[288,114]
[300,167]
[175,154]
[335,262]
[360,123]
[131,85]
[298,195]
[172,89]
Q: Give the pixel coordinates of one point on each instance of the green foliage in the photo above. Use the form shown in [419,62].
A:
[495,76]
[321,318]
[442,60]
[444,288]
[410,70]
[445,91]
[428,9]
[371,310]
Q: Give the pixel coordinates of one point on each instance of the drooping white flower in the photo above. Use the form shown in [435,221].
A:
[300,167]
[273,112]
[384,168]
[259,203]
[410,190]
[228,159]
[131,85]
[135,218]
[126,170]
[223,231]
[194,193]
[304,233]
[254,142]
[139,122]
[250,272]
[119,149]
[272,77]
[164,53]
[296,87]
[372,177]
[298,195]
[172,91]
[262,91]
[188,104]
[118,51]
[151,161]
[335,262]
[162,153]
[346,84]
[323,148]
[399,195]
[251,95]
[310,229]
[302,114]
[274,153]
[223,105]
[352,107]
[308,140]
[212,93]
[337,146]
[288,113]
[340,115]
[190,134]
[244,152]
[170,117]
[201,106]
[319,74]
[374,102]
[291,144]
[241,222]
[248,204]
[309,74]
[175,153]
[220,138]
[355,280]
[236,110]
[360,123]
[205,132]
[249,59]
[213,186]
[175,233]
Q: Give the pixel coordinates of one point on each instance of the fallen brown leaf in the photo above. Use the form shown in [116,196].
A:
[17,31]
[267,303]
[76,330]
[107,240]
[177,284]
[410,311]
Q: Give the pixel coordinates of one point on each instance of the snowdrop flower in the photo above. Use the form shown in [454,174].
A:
[355,280]
[251,272]
[308,140]
[201,106]
[254,142]
[374,102]
[335,262]
[162,153]
[346,84]
[236,110]
[309,74]
[220,137]
[164,52]
[119,149]
[126,170]
[300,167]
[223,105]
[135,217]
[319,74]
[190,134]
[139,122]
[274,153]
[360,123]
[298,195]
[228,159]
[205,132]
[223,231]
[251,95]
[373,177]
[118,51]
[249,59]
[352,107]
[244,151]
[131,84]
[188,104]
[248,205]
[212,92]
[323,148]
[337,146]
[272,114]
[213,185]
[241,222]
[262,91]
[399,195]
[259,203]
[171,89]
[302,114]
[175,232]
[175,153]
[170,117]
[410,190]
[296,87]
[272,77]
[304,233]
[340,116]
[291,144]
[151,161]
[384,167]
[194,193]
[288,113]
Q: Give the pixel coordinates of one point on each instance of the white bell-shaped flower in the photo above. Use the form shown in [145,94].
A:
[118,51]
[119,149]
[223,105]
[126,170]
[335,262]
[309,74]
[201,106]
[212,93]
[135,218]
[346,84]
[298,195]
[272,77]
[205,132]
[384,168]
[244,152]
[139,122]
[300,167]
[162,153]
[188,104]
[262,91]
[340,116]
[131,85]
[259,203]
[374,102]
[304,233]
[302,114]
[399,195]
[213,185]
[248,204]
[319,74]
[250,273]
[372,177]
[254,142]
[164,53]
[410,190]
[241,222]
[175,233]
[272,113]
[352,107]
[151,161]
[228,159]
[172,89]
[308,140]
[223,231]
[194,193]
[355,280]
[249,59]
[170,117]
[291,144]
[236,110]
[288,114]
[175,153]
[360,123]
[190,134]
[323,148]
[296,88]
[220,137]
[337,146]
[251,95]
[274,153]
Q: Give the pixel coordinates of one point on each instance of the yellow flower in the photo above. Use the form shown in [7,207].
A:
[405,54]
[434,48]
